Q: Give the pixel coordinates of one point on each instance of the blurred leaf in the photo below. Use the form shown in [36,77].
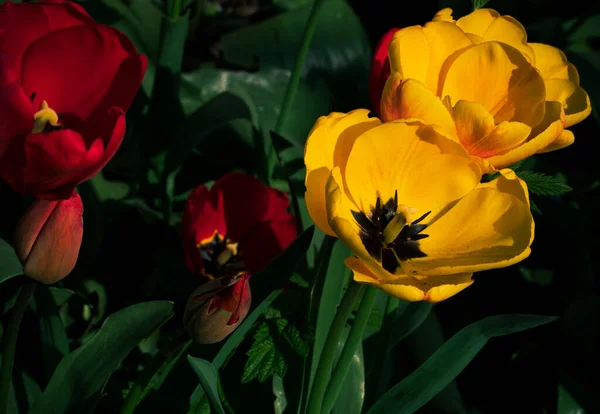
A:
[108,190]
[264,359]
[24,391]
[280,402]
[10,266]
[81,375]
[352,395]
[544,185]
[209,378]
[340,51]
[410,319]
[55,344]
[566,403]
[540,277]
[478,4]
[448,361]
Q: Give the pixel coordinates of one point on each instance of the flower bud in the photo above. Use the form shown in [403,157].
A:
[48,238]
[216,308]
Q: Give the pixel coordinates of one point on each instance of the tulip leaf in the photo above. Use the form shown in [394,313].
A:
[209,378]
[81,375]
[10,266]
[280,403]
[447,362]
[544,185]
[410,319]
[352,394]
[55,344]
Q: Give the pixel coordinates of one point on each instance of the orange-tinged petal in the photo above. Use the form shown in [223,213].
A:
[413,289]
[411,99]
[486,229]
[499,77]
[491,26]
[444,15]
[427,169]
[329,144]
[565,139]
[575,100]
[509,183]
[542,135]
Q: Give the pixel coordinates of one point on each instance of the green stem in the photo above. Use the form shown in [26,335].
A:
[328,354]
[292,87]
[10,342]
[161,365]
[354,339]
[174,9]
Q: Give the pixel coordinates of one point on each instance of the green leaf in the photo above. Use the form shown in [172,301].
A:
[294,338]
[447,362]
[55,344]
[352,395]
[81,375]
[264,359]
[209,378]
[340,51]
[410,319]
[280,402]
[544,185]
[10,266]
[478,4]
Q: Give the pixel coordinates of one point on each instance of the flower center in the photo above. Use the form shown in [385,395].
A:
[45,120]
[220,257]
[388,234]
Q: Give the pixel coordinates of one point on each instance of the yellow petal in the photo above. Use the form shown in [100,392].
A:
[329,143]
[565,139]
[542,135]
[491,26]
[413,289]
[550,61]
[427,169]
[499,77]
[487,229]
[420,52]
[509,183]
[480,136]
[411,99]
[575,100]
[444,15]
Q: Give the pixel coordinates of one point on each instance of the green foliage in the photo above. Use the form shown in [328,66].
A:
[542,184]
[10,266]
[209,378]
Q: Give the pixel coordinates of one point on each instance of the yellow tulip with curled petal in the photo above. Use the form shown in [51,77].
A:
[479,82]
[408,202]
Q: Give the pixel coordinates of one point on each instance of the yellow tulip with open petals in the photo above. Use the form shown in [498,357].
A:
[409,204]
[479,82]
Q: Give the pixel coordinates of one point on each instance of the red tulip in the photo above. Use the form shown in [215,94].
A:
[48,238]
[216,308]
[65,85]
[380,69]
[239,225]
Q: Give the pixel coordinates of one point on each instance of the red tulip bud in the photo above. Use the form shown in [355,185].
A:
[48,238]
[216,308]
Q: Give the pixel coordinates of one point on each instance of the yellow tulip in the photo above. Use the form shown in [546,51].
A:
[409,204]
[479,82]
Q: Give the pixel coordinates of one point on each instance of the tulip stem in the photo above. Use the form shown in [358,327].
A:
[292,86]
[174,9]
[354,339]
[9,345]
[327,359]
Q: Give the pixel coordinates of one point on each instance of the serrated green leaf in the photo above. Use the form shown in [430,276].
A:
[293,337]
[544,185]
[264,360]
[535,208]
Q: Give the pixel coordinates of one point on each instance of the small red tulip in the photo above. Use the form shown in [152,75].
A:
[217,308]
[48,238]
[380,69]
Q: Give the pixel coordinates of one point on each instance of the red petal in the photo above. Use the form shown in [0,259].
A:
[202,215]
[73,69]
[266,242]
[380,69]
[23,23]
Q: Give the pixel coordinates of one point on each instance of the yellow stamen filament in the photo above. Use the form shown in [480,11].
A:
[43,117]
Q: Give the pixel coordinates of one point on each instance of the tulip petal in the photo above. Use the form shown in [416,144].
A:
[421,52]
[413,289]
[265,242]
[544,134]
[491,26]
[61,59]
[411,99]
[427,169]
[480,136]
[487,229]
[565,139]
[499,77]
[444,15]
[551,62]
[575,100]
[329,144]
[509,183]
